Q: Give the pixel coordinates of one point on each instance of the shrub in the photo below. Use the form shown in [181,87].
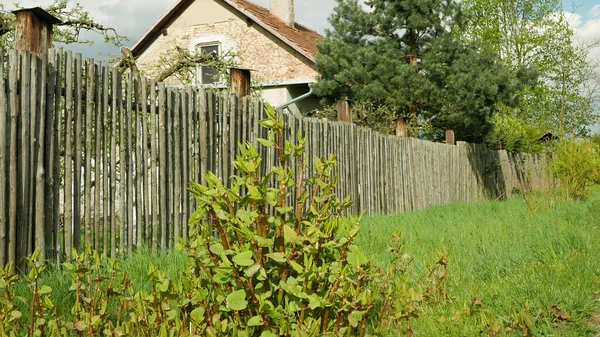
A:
[576,165]
[515,134]
[276,268]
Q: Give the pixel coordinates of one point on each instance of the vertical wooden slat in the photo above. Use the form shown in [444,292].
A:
[114,132]
[170,166]
[78,153]
[39,96]
[129,157]
[139,165]
[4,163]
[123,122]
[13,67]
[50,108]
[24,169]
[98,162]
[58,134]
[106,169]
[162,177]
[68,213]
[87,152]
[144,162]
[176,150]
[186,118]
[153,170]
[202,133]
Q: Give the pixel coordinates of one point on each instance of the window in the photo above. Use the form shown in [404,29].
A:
[208,74]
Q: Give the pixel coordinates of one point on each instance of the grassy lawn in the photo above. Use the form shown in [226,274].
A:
[510,263]
[518,258]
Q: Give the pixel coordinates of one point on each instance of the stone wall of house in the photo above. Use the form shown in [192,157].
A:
[271,60]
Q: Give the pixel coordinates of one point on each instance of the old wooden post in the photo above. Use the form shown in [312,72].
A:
[33,29]
[450,137]
[344,111]
[240,81]
[401,127]
[33,33]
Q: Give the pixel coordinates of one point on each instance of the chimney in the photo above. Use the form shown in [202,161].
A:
[284,9]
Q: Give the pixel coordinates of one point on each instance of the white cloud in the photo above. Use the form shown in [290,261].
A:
[595,12]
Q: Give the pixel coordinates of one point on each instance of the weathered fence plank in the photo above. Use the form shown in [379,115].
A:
[4,160]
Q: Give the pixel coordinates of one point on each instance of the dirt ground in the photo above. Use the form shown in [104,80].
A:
[595,322]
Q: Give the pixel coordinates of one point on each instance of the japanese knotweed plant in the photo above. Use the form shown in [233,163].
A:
[260,265]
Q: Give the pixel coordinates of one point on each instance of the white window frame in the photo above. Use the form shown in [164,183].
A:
[199,74]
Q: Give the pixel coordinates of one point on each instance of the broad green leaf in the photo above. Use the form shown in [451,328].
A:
[355,257]
[252,270]
[197,216]
[255,321]
[356,316]
[265,142]
[45,290]
[290,234]
[217,248]
[244,259]
[267,123]
[267,334]
[277,257]
[237,300]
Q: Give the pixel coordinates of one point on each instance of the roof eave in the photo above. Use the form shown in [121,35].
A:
[142,43]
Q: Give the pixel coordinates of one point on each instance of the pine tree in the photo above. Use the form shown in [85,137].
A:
[406,54]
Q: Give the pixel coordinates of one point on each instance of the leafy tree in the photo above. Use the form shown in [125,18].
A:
[405,54]
[74,20]
[534,35]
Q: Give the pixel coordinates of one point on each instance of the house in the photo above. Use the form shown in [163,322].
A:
[279,51]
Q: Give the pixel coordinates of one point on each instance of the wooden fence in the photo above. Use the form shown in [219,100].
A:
[89,155]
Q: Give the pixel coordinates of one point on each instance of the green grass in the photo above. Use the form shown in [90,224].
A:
[507,255]
[510,256]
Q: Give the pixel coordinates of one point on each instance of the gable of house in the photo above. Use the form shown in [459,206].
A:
[274,50]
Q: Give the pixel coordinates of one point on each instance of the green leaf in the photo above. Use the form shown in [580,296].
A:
[237,300]
[290,235]
[355,317]
[252,270]
[267,334]
[355,257]
[217,248]
[267,123]
[45,290]
[244,259]
[255,321]
[277,257]
[15,315]
[265,142]
[196,217]
[296,266]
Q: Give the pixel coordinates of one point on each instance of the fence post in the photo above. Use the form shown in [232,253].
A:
[33,33]
[344,111]
[401,127]
[240,82]
[450,137]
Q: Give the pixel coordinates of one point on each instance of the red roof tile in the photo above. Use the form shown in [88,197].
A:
[300,35]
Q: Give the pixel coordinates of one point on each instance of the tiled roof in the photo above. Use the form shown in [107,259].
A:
[298,37]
